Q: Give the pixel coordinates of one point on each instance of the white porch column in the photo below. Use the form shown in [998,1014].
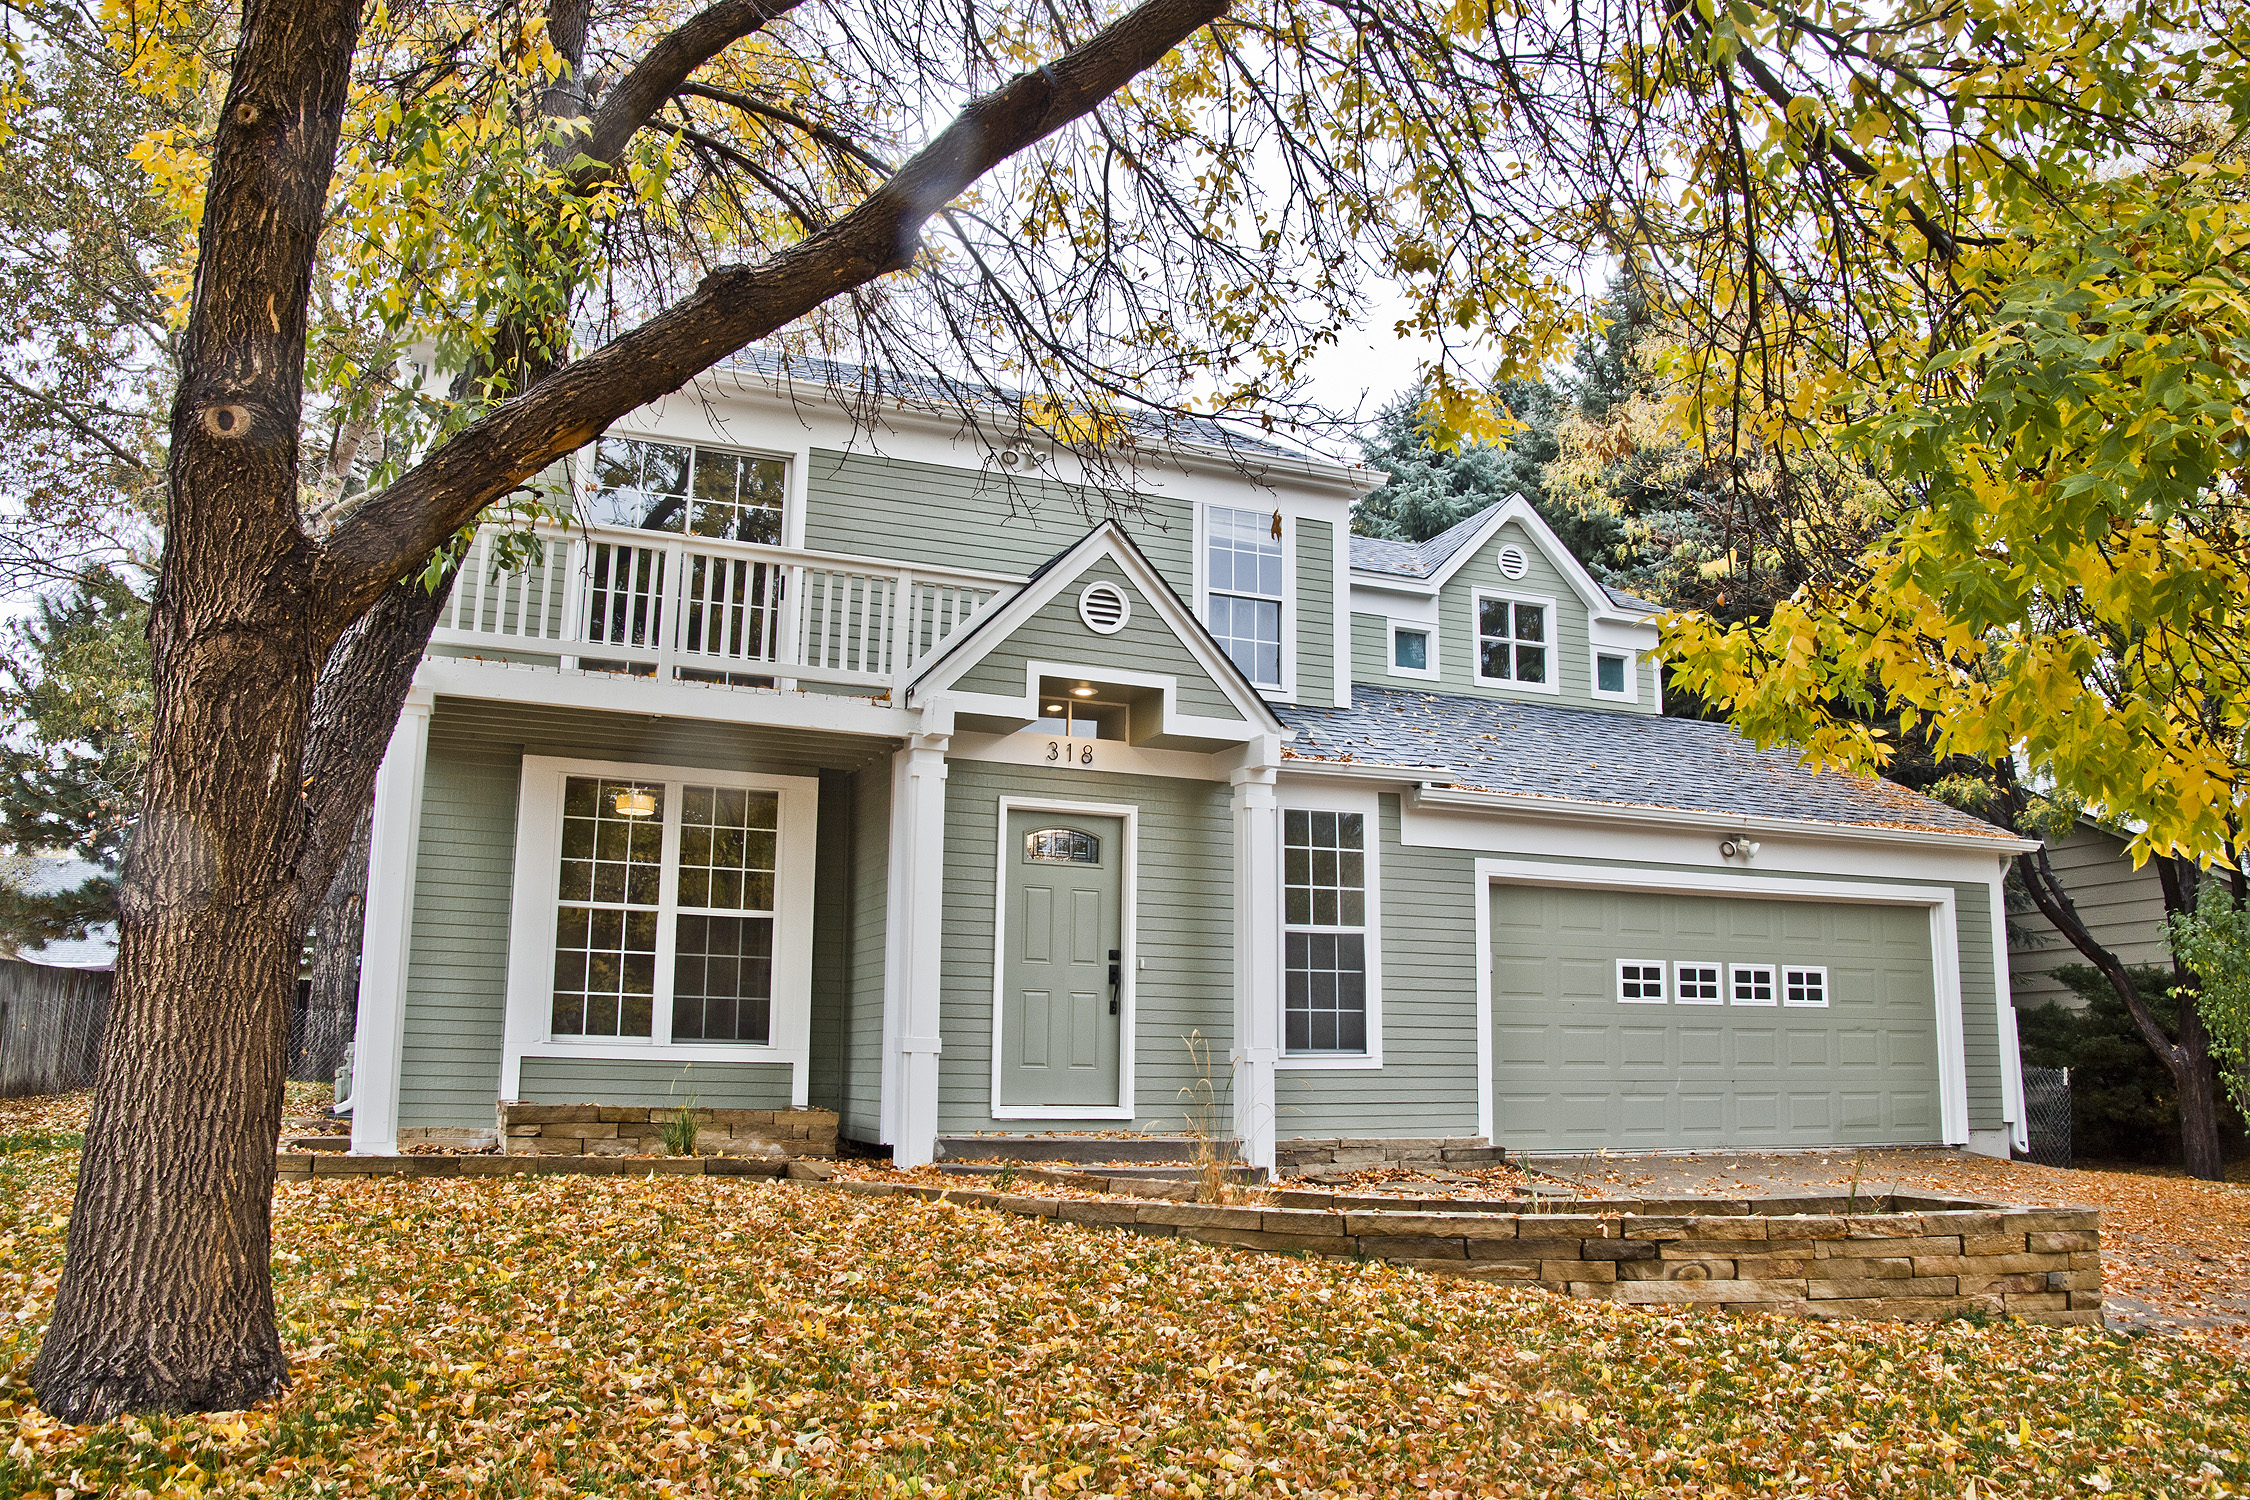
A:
[1257,959]
[916,908]
[395,838]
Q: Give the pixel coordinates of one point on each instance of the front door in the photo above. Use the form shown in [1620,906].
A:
[1061,991]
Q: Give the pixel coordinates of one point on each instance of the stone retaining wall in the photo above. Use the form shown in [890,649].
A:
[620,1130]
[1304,1157]
[1922,1259]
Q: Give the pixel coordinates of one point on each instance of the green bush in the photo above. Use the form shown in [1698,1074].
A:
[2122,1103]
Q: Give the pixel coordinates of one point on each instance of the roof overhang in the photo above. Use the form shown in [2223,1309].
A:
[1458,799]
[1515,508]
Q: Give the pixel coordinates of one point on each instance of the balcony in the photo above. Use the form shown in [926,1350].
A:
[699,609]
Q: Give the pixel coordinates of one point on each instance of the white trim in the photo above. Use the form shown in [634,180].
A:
[1772,984]
[1641,968]
[1300,797]
[1390,655]
[1680,966]
[1173,721]
[2012,1110]
[1128,908]
[1553,645]
[394,850]
[1516,508]
[1284,691]
[797,456]
[1113,757]
[618,692]
[1632,659]
[1945,953]
[531,928]
[1340,585]
[1717,825]
[1789,969]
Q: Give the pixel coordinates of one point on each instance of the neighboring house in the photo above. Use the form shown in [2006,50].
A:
[2121,906]
[833,769]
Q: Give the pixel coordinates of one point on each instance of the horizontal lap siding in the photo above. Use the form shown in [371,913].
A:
[832,943]
[1371,651]
[934,516]
[863,1022]
[1316,612]
[2122,907]
[1570,666]
[654,1085]
[1184,928]
[457,971]
[1427,1085]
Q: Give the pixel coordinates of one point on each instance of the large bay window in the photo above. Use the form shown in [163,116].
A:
[661,909]
[1243,578]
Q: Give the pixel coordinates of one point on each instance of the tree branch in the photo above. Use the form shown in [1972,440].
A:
[636,98]
[391,533]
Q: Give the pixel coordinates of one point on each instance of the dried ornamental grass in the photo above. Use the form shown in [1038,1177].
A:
[687,1336]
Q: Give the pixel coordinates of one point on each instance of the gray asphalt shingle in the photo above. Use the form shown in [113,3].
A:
[1604,756]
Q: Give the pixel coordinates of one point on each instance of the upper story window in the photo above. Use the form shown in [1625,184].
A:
[711,492]
[1515,639]
[1243,567]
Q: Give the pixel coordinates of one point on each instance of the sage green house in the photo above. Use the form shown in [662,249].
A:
[902,772]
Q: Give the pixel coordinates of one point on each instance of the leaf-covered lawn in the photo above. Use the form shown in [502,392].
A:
[683,1336]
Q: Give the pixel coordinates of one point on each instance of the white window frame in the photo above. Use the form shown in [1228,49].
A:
[1737,972]
[1658,966]
[798,460]
[1788,970]
[1680,968]
[537,888]
[1298,797]
[1553,684]
[1129,962]
[1286,691]
[1390,652]
[1632,658]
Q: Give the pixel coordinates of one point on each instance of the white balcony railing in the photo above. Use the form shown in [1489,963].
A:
[689,606]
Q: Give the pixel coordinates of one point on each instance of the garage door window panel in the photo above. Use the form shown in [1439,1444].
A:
[1697,984]
[1806,988]
[1640,981]
[1752,984]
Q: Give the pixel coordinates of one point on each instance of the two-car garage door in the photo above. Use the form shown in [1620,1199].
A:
[1641,1021]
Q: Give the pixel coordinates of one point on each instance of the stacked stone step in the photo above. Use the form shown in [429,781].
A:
[1298,1158]
[628,1130]
[2041,1265]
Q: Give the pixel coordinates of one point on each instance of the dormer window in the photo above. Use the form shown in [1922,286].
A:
[1243,568]
[1515,641]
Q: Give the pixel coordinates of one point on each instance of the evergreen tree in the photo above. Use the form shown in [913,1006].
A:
[74,691]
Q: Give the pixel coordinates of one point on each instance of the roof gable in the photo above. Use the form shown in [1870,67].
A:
[1426,567]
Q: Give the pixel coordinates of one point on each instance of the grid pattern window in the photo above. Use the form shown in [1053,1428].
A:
[1804,987]
[1640,983]
[700,491]
[647,862]
[1697,984]
[609,908]
[1243,568]
[1324,906]
[1512,641]
[1753,984]
[722,984]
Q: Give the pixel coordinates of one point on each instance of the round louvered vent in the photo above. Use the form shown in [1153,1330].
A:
[1104,608]
[1513,562]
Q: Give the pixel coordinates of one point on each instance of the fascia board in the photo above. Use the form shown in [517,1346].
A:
[1438,798]
[1516,508]
[542,686]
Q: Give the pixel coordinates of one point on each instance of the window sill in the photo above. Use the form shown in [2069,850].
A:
[609,1049]
[1510,685]
[1318,1062]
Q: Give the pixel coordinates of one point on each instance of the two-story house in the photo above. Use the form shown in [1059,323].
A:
[859,769]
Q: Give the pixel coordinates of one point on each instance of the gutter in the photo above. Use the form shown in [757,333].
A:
[1454,799]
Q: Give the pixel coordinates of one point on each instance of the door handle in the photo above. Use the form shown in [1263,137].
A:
[1116,977]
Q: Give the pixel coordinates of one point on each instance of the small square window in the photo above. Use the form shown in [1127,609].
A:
[1698,984]
[1410,650]
[1753,984]
[1806,987]
[1640,983]
[1609,674]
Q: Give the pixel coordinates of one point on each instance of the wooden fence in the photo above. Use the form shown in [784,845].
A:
[50,1027]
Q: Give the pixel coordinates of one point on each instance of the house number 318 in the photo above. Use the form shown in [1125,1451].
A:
[1083,754]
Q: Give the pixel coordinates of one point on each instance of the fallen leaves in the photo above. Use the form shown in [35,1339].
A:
[682,1336]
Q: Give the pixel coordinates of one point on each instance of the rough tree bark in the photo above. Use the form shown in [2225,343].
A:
[261,760]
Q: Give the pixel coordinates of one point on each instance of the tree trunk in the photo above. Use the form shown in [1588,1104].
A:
[336,928]
[2202,1141]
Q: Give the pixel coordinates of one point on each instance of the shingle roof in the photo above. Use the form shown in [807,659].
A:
[944,391]
[1604,756]
[1421,560]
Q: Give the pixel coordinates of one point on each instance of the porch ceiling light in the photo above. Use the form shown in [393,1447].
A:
[1082,691]
[1054,708]
[636,804]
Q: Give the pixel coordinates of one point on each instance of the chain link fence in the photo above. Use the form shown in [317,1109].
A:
[2046,1103]
[317,1038]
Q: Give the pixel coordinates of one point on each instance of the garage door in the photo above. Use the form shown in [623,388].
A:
[1638,1021]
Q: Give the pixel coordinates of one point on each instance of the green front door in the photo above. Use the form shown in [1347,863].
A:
[1638,1021]
[1060,998]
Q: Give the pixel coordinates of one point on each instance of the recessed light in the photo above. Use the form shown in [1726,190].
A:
[1082,692]
[1054,708]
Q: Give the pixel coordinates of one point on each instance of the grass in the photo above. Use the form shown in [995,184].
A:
[685,1336]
